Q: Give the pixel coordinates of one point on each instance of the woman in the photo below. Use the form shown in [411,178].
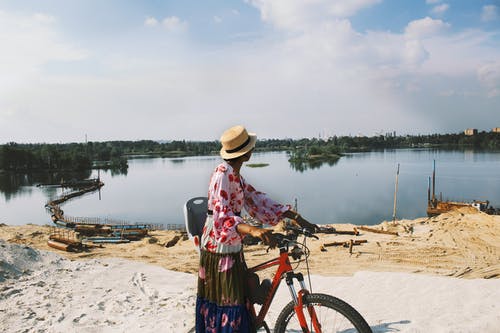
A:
[221,304]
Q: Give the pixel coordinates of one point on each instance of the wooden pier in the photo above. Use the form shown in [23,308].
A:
[92,227]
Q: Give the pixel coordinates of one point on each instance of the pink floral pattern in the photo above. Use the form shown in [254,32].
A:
[225,264]
[228,194]
[201,273]
[224,320]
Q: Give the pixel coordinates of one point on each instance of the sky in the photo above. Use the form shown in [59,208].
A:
[98,70]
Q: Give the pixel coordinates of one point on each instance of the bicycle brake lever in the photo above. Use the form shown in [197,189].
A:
[309,233]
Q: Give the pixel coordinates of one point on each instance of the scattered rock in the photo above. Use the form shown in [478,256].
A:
[173,241]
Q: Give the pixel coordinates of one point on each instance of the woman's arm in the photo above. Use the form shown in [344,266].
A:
[260,206]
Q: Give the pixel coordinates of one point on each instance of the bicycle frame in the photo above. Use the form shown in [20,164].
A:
[284,270]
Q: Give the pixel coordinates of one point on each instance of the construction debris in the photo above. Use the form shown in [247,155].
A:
[332,230]
[173,241]
[378,231]
[64,240]
[91,230]
[349,244]
[346,243]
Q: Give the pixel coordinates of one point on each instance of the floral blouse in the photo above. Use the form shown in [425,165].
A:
[228,194]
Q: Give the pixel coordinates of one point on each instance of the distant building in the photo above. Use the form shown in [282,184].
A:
[496,130]
[470,131]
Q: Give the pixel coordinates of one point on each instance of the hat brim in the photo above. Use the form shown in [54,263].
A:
[251,145]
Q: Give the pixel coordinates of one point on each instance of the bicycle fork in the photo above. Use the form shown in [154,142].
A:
[298,299]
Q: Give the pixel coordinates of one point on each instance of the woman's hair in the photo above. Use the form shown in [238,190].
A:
[236,158]
[232,159]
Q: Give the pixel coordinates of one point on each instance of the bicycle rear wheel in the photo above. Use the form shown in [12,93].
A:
[334,315]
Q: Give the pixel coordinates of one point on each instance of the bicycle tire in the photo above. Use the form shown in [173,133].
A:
[335,316]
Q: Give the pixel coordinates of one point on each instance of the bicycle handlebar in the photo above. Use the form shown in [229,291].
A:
[284,240]
[301,231]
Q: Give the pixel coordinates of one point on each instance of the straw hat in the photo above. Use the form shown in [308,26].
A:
[236,142]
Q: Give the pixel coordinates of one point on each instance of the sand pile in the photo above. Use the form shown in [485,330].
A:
[462,244]
[17,260]
[147,287]
[44,292]
[117,295]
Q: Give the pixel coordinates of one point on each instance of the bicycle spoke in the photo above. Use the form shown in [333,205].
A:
[332,316]
[329,319]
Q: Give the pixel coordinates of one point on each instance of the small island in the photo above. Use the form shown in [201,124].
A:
[257,165]
[303,158]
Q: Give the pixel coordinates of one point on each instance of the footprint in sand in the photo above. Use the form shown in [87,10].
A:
[139,280]
[77,319]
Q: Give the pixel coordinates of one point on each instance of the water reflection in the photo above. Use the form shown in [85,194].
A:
[358,188]
[118,172]
[14,184]
[304,165]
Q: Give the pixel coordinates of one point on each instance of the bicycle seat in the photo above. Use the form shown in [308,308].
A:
[195,214]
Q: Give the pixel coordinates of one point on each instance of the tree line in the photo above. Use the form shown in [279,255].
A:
[114,154]
[345,144]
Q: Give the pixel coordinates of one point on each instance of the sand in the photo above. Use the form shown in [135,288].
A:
[438,274]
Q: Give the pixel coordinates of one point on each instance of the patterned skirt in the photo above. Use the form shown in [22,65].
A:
[221,304]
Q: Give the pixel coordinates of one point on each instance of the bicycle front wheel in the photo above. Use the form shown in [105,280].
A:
[333,315]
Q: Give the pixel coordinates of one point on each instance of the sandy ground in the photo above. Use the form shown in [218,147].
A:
[463,243]
[437,275]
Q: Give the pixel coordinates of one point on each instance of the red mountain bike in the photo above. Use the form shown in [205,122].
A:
[307,312]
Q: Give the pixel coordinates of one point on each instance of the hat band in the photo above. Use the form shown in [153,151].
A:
[230,151]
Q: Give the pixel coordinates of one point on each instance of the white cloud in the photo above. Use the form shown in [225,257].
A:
[151,22]
[489,75]
[489,13]
[30,42]
[425,28]
[324,75]
[44,18]
[171,23]
[440,9]
[447,93]
[431,2]
[217,19]
[415,53]
[174,24]
[299,14]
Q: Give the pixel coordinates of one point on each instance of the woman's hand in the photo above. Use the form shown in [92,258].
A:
[306,224]
[302,222]
[265,234]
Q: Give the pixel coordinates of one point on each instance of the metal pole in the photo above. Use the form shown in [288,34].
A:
[429,193]
[395,196]
[434,183]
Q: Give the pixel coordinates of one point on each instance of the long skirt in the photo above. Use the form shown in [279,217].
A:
[221,304]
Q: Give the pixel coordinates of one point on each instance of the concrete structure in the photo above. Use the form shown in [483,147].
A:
[470,131]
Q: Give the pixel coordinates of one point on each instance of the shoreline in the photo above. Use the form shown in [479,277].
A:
[462,243]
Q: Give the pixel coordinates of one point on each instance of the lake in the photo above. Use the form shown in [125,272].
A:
[358,189]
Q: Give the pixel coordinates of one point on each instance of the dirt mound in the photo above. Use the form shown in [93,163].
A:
[17,260]
[462,243]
